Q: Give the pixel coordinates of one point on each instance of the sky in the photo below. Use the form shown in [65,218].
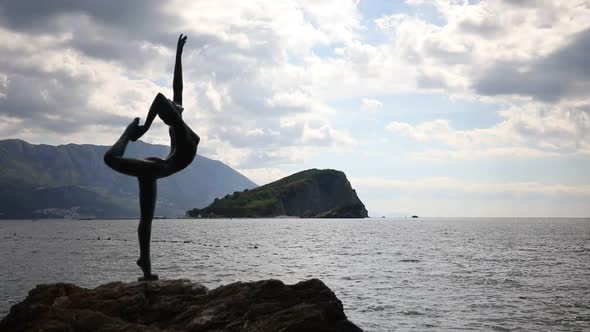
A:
[440,108]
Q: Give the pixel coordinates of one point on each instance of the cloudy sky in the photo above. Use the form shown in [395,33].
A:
[431,107]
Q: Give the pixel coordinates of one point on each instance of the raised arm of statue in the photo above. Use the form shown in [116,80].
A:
[177,82]
[177,87]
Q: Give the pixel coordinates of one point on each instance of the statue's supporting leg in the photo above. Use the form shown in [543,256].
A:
[147,203]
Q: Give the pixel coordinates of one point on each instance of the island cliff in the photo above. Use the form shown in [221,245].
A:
[308,194]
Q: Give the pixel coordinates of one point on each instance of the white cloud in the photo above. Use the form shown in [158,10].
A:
[291,99]
[262,176]
[530,131]
[214,97]
[3,85]
[370,105]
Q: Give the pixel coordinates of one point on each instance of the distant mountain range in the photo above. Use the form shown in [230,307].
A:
[44,181]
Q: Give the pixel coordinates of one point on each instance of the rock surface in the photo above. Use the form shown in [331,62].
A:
[312,193]
[180,305]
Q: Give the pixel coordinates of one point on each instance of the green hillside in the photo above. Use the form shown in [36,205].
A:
[310,193]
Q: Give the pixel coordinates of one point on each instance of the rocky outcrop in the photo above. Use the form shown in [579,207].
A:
[309,194]
[180,305]
[346,211]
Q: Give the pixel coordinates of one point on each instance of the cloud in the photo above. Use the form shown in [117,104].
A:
[68,66]
[258,92]
[58,90]
[370,105]
[564,73]
[528,57]
[533,130]
[262,176]
[214,97]
[441,131]
[497,48]
[136,18]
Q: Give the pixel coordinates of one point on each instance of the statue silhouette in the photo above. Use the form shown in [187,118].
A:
[183,148]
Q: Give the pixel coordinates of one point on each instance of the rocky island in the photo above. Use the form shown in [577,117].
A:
[180,305]
[312,193]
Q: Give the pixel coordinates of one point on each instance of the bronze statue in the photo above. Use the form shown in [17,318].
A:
[183,148]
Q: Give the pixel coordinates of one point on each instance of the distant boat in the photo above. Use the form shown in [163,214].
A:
[415,217]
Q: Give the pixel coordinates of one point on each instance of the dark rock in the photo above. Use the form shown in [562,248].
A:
[180,305]
[347,211]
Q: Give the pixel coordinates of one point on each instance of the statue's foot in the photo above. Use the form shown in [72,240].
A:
[151,277]
[145,265]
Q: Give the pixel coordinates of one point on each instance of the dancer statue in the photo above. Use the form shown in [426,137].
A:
[183,148]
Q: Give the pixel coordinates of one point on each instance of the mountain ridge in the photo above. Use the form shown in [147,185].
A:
[34,175]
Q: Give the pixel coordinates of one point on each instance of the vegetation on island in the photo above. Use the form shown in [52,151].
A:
[310,193]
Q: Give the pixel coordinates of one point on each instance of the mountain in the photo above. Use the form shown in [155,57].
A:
[308,194]
[38,181]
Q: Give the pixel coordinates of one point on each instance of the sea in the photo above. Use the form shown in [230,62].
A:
[403,274]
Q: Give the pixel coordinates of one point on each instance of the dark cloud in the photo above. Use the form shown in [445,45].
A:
[486,28]
[522,3]
[110,30]
[563,73]
[446,56]
[115,30]
[136,16]
[430,82]
[507,79]
[53,102]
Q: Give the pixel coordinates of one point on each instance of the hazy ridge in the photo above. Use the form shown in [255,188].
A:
[38,181]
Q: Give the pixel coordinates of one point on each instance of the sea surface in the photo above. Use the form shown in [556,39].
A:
[391,274]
